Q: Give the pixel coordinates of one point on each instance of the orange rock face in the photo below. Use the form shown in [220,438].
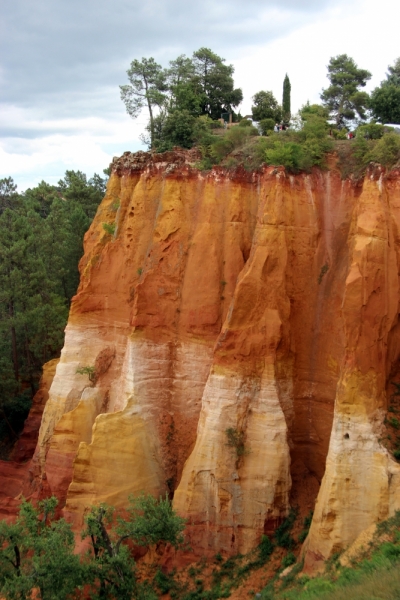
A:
[260,304]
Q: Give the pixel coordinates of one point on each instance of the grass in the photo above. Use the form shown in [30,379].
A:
[375,576]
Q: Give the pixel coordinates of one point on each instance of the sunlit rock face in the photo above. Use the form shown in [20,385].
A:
[255,303]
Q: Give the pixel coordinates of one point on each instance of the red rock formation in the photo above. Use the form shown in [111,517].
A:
[261,303]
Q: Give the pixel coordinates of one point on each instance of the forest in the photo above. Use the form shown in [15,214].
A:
[41,243]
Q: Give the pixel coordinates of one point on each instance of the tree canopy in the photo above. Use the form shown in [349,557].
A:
[343,97]
[191,87]
[37,551]
[265,106]
[41,235]
[385,99]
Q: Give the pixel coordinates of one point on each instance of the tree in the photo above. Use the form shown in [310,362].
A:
[385,104]
[393,77]
[177,129]
[150,521]
[343,97]
[37,553]
[385,99]
[266,107]
[147,88]
[313,110]
[41,233]
[215,84]
[286,100]
[8,194]
[75,187]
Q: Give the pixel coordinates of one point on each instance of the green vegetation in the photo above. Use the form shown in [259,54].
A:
[89,371]
[306,527]
[109,228]
[355,157]
[189,88]
[286,100]
[373,576]
[37,552]
[283,535]
[265,106]
[235,439]
[385,99]
[343,97]
[41,233]
[186,101]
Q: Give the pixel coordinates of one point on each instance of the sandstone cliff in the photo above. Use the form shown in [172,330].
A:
[261,303]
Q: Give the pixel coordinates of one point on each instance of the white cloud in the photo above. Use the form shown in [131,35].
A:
[305,53]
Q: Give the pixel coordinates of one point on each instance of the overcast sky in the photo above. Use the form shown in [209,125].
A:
[61,62]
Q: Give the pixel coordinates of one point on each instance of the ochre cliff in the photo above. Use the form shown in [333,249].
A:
[258,302]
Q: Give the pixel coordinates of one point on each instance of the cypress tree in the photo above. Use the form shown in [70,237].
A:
[286,99]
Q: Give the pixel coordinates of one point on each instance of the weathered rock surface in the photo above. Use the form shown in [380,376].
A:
[15,475]
[261,303]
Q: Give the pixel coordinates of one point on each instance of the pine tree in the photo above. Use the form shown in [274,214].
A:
[41,234]
[286,100]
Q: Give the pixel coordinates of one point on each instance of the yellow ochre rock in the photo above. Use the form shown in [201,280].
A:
[232,305]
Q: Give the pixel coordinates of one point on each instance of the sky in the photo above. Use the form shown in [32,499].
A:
[62,62]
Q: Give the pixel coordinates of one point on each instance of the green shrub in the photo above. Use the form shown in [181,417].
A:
[234,138]
[265,549]
[89,371]
[394,422]
[396,454]
[245,123]
[288,560]
[109,228]
[267,126]
[289,155]
[236,440]
[387,150]
[315,127]
[216,125]
[282,533]
[302,536]
[339,134]
[370,131]
[163,582]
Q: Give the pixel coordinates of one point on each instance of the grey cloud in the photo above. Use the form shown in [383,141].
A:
[66,58]
[55,46]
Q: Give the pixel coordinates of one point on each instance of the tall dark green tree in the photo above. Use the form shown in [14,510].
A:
[215,83]
[41,233]
[286,114]
[8,194]
[385,99]
[343,97]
